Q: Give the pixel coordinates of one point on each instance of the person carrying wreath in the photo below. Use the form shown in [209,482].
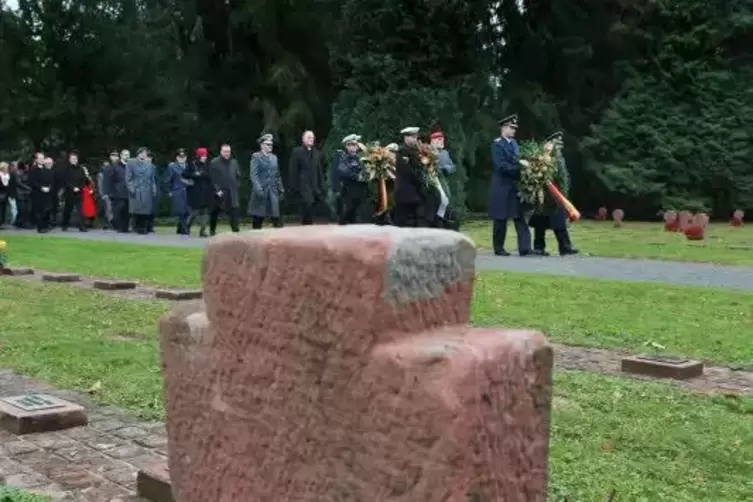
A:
[553,216]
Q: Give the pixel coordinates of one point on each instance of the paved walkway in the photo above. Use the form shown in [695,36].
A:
[683,273]
[97,463]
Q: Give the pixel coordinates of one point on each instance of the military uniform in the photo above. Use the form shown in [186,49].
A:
[554,216]
[504,201]
[355,189]
[410,190]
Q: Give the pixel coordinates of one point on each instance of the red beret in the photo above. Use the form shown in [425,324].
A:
[201,152]
[436,134]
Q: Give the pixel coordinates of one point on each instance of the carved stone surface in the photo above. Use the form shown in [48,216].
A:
[662,367]
[30,413]
[335,363]
[114,284]
[153,484]
[50,277]
[178,294]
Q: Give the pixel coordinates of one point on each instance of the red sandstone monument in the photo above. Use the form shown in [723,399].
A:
[335,364]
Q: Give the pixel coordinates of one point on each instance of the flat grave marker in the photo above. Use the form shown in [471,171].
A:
[178,294]
[31,413]
[52,277]
[662,367]
[114,284]
[153,484]
[17,271]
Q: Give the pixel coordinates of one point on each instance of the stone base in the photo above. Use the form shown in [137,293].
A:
[178,294]
[662,367]
[17,271]
[61,277]
[153,483]
[52,415]
[113,285]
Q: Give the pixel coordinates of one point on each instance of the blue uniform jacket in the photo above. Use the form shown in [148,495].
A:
[504,202]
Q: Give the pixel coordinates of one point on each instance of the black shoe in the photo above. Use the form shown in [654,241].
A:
[540,252]
[501,253]
[532,252]
[82,229]
[203,233]
[569,252]
[64,229]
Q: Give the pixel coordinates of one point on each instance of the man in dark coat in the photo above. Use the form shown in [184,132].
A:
[553,216]
[74,180]
[504,201]
[225,174]
[411,190]
[23,195]
[42,183]
[305,168]
[355,188]
[116,189]
[175,187]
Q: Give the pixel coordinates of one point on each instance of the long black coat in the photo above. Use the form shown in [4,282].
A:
[115,181]
[305,168]
[409,187]
[225,175]
[41,178]
[504,201]
[201,193]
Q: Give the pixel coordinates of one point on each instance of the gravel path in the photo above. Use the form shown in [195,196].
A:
[683,273]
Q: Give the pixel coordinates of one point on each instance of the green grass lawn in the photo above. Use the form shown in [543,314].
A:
[649,441]
[723,243]
[713,324]
[13,495]
[158,265]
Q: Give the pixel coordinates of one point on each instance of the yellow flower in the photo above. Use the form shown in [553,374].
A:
[3,246]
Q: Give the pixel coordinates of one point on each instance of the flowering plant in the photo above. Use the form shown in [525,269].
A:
[537,175]
[3,255]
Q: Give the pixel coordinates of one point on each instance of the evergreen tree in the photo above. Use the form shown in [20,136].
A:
[679,134]
[408,63]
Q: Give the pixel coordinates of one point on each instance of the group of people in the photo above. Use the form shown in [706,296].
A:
[200,190]
[33,193]
[505,203]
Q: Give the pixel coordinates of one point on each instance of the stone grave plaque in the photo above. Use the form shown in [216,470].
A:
[34,402]
[677,368]
[153,484]
[30,413]
[178,294]
[114,284]
[61,277]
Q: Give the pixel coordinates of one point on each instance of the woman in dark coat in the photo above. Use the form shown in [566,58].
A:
[200,194]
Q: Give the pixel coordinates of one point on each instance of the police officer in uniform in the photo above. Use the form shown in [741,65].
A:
[504,202]
[554,216]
